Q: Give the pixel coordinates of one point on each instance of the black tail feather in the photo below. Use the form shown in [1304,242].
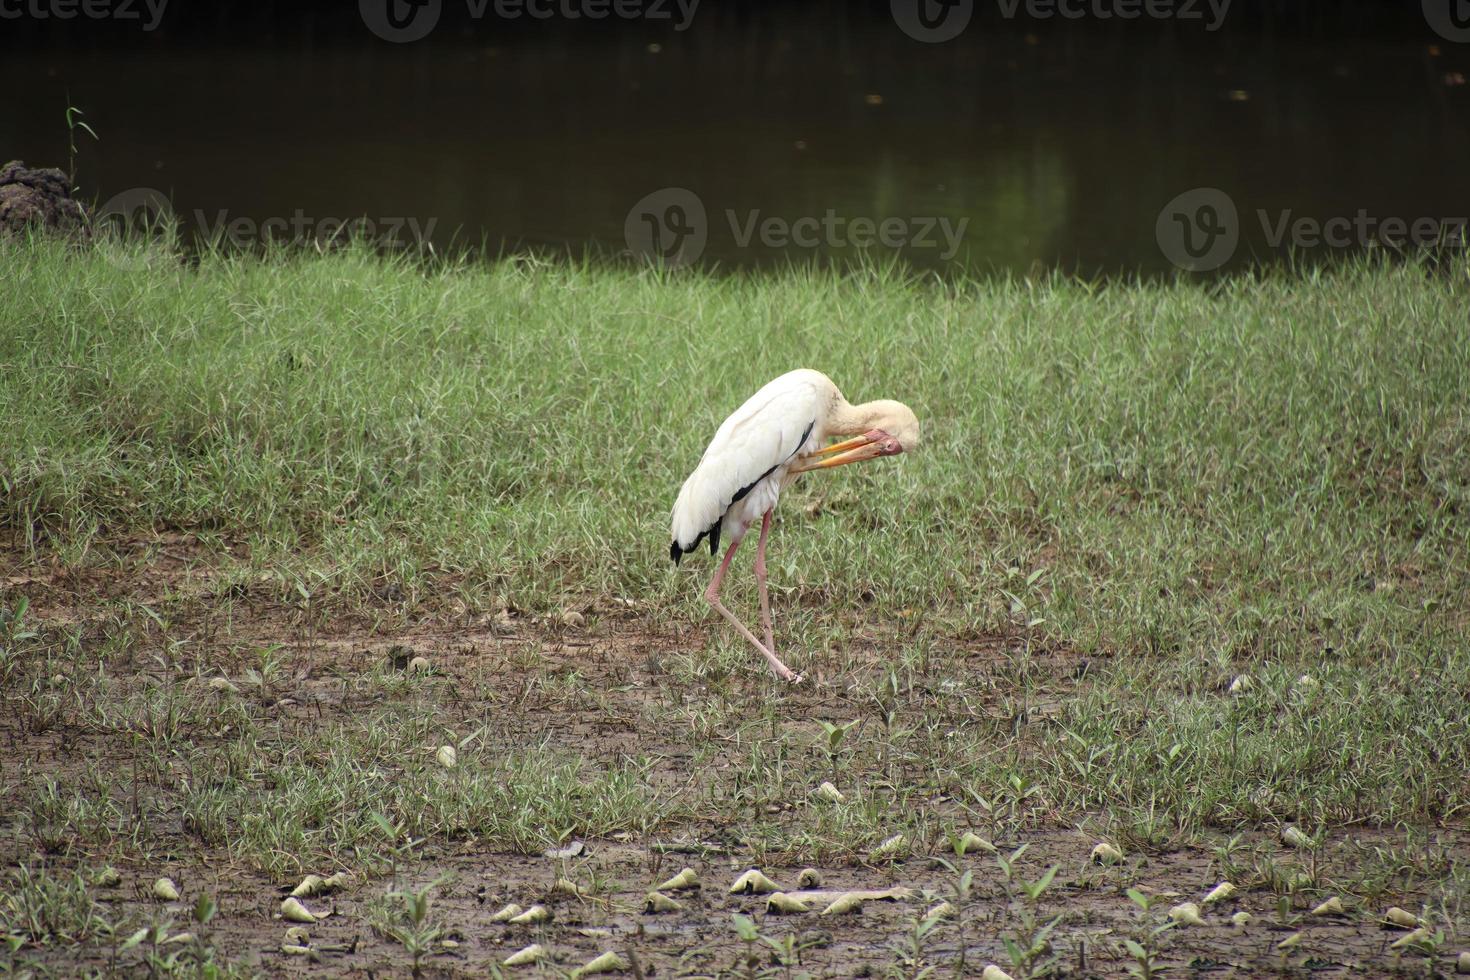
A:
[676,552]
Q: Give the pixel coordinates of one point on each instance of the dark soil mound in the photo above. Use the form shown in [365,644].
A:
[39,199]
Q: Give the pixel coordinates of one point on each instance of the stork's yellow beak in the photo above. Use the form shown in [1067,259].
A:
[869,445]
[856,454]
[842,447]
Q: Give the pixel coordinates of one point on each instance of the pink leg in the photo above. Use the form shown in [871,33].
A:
[712,594]
[760,578]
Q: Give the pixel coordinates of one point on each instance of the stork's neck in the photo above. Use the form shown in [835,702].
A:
[850,420]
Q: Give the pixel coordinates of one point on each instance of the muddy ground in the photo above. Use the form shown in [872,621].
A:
[620,654]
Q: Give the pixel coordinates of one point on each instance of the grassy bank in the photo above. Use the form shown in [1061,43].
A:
[1263,469]
[1130,496]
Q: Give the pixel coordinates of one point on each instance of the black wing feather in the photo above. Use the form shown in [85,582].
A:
[713,531]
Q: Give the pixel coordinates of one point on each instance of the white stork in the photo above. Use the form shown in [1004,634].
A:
[778,433]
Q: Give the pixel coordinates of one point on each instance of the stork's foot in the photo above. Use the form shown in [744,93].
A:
[781,670]
[787,674]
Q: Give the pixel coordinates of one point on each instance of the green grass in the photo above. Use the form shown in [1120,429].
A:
[1145,491]
[1262,453]
[1266,473]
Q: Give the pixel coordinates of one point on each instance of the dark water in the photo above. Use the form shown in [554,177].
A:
[1034,141]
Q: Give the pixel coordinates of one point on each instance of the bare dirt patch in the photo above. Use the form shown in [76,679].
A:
[112,709]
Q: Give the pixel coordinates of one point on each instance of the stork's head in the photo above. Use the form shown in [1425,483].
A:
[883,428]
[897,422]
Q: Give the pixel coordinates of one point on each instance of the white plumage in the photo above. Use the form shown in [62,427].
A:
[778,433]
[753,450]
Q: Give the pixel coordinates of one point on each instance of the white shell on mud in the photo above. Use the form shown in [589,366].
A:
[1186,914]
[830,793]
[941,911]
[310,885]
[1333,906]
[608,962]
[108,877]
[683,880]
[506,914]
[165,890]
[572,619]
[1240,918]
[335,881]
[809,878]
[295,949]
[1413,938]
[1402,918]
[1293,835]
[533,953]
[889,850]
[1462,963]
[532,916]
[993,972]
[447,756]
[1291,940]
[567,887]
[845,903]
[656,902]
[973,842]
[222,684]
[293,911]
[297,935]
[420,665]
[1105,853]
[1219,893]
[753,882]
[781,903]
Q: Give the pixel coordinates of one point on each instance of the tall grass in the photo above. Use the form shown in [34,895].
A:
[1266,465]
